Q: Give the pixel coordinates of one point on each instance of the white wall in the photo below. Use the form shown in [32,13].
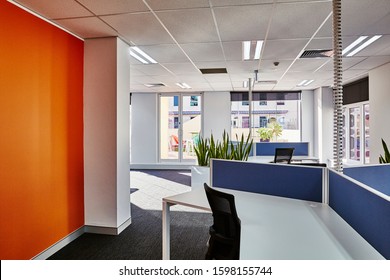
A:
[323,124]
[144,131]
[379,95]
[216,114]
[106,130]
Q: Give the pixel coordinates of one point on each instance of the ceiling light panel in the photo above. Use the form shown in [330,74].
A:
[141,56]
[365,43]
[251,50]
[183,85]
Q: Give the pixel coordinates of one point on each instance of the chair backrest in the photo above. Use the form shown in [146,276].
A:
[226,224]
[283,155]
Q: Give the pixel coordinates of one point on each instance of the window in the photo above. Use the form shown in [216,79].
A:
[356,120]
[267,107]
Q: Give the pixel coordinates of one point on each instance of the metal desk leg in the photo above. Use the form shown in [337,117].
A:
[166,226]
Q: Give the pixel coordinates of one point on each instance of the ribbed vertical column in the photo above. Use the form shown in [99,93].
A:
[337,88]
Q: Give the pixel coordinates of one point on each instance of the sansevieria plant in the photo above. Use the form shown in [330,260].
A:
[386,157]
[202,151]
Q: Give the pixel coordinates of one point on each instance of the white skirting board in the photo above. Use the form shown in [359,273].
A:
[107,230]
[60,244]
[77,233]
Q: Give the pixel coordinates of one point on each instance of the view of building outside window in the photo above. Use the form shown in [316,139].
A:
[286,113]
[356,132]
[180,125]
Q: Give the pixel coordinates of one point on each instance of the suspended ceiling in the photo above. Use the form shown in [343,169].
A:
[184,36]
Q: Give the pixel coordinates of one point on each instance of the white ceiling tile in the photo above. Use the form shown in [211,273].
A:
[298,20]
[239,23]
[268,66]
[141,29]
[233,50]
[167,53]
[134,72]
[204,51]
[104,7]
[177,4]
[197,78]
[359,17]
[217,77]
[320,44]
[283,49]
[55,9]
[347,62]
[351,74]
[88,27]
[371,63]
[196,25]
[308,64]
[219,3]
[241,66]
[181,68]
[151,69]
[380,27]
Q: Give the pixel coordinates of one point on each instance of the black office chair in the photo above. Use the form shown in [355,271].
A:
[283,155]
[224,242]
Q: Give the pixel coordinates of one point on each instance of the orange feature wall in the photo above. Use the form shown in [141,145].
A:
[41,134]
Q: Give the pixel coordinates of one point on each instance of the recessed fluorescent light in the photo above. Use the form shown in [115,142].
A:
[259,45]
[354,43]
[246,49]
[183,85]
[305,83]
[140,55]
[368,42]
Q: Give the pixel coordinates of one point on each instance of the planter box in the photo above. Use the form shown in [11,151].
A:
[199,176]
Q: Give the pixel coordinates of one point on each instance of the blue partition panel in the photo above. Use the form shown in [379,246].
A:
[366,212]
[268,148]
[273,179]
[375,176]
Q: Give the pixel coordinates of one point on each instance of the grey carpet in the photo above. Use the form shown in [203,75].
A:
[142,240]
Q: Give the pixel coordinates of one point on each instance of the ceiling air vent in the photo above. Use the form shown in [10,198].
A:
[155,85]
[317,53]
[213,70]
[267,82]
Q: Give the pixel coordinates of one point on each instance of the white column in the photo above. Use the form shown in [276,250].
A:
[216,114]
[307,120]
[323,124]
[106,135]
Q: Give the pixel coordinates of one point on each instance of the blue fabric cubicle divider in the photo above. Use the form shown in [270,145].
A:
[375,176]
[268,148]
[366,212]
[284,180]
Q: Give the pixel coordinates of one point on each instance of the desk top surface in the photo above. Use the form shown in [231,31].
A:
[268,159]
[282,228]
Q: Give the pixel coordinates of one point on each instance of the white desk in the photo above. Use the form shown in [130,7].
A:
[281,228]
[268,159]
